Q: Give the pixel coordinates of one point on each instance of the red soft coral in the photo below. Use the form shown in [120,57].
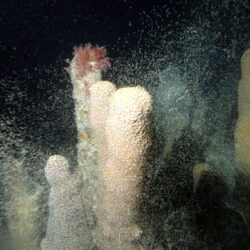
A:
[89,58]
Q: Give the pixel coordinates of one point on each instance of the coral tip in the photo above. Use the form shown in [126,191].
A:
[89,58]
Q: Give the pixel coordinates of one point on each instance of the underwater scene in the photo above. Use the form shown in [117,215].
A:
[124,125]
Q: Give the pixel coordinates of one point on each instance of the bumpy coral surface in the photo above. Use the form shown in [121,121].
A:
[66,228]
[100,94]
[120,187]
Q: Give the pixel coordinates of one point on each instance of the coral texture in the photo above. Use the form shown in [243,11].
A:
[66,228]
[100,94]
[130,194]
[121,173]
[85,70]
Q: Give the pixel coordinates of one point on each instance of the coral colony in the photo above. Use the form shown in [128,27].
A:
[101,203]
[116,124]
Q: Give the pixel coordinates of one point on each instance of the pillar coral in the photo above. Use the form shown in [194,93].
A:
[127,141]
[66,227]
[119,122]
[85,70]
[100,94]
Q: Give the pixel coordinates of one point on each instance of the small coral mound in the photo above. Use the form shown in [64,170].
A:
[66,228]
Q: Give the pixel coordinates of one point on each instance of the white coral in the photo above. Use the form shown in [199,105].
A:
[66,228]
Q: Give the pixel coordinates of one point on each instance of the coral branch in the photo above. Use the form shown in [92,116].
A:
[127,141]
[66,227]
